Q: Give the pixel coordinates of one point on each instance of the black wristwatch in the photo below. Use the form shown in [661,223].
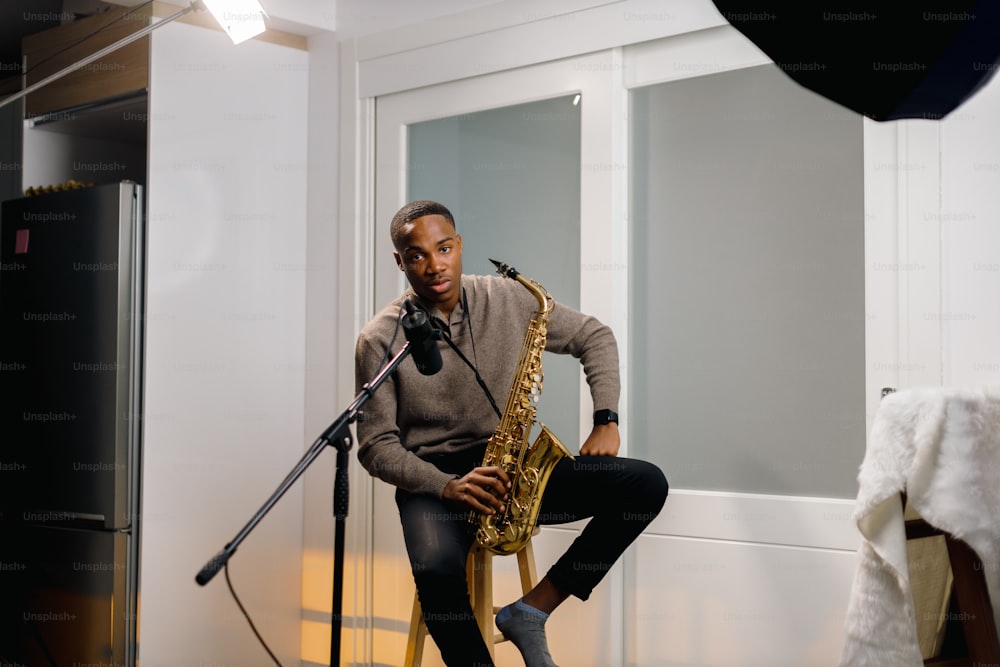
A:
[602,417]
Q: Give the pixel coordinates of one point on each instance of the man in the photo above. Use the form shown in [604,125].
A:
[426,434]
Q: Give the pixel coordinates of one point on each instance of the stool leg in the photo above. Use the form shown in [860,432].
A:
[418,632]
[480,566]
[527,573]
[526,567]
[479,574]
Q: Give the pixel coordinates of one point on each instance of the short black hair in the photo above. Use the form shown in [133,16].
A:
[414,210]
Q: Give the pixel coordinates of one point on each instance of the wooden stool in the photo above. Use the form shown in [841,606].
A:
[479,572]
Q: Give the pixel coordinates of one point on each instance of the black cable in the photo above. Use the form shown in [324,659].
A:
[475,367]
[247,616]
[479,378]
[395,332]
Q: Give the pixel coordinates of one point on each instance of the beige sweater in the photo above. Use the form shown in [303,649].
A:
[412,415]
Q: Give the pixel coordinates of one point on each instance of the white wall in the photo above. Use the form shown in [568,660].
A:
[970,235]
[225,345]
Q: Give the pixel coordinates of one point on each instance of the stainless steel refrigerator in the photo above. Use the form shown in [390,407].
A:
[71,322]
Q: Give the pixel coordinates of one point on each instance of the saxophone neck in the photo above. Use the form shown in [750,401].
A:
[545,301]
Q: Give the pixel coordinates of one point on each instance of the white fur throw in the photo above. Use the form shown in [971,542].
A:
[942,447]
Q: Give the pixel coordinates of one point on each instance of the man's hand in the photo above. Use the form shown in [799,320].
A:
[604,440]
[484,490]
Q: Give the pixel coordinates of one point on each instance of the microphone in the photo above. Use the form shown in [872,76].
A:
[423,341]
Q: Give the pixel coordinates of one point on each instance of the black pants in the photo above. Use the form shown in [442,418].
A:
[621,495]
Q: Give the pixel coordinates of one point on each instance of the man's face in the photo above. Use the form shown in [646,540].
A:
[430,254]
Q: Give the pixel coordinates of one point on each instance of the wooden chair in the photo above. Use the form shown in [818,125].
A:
[479,571]
[970,612]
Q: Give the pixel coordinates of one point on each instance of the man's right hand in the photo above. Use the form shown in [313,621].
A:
[483,490]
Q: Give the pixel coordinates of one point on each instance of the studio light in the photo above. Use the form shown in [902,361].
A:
[241,19]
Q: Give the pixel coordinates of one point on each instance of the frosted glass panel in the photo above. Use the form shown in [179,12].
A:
[511,177]
[747,285]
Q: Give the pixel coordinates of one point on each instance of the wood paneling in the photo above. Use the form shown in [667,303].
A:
[125,70]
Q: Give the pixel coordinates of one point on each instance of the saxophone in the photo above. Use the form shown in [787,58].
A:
[528,467]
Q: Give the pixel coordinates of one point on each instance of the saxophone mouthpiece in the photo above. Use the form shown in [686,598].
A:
[505,270]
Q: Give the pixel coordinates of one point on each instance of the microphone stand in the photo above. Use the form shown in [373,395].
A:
[338,435]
